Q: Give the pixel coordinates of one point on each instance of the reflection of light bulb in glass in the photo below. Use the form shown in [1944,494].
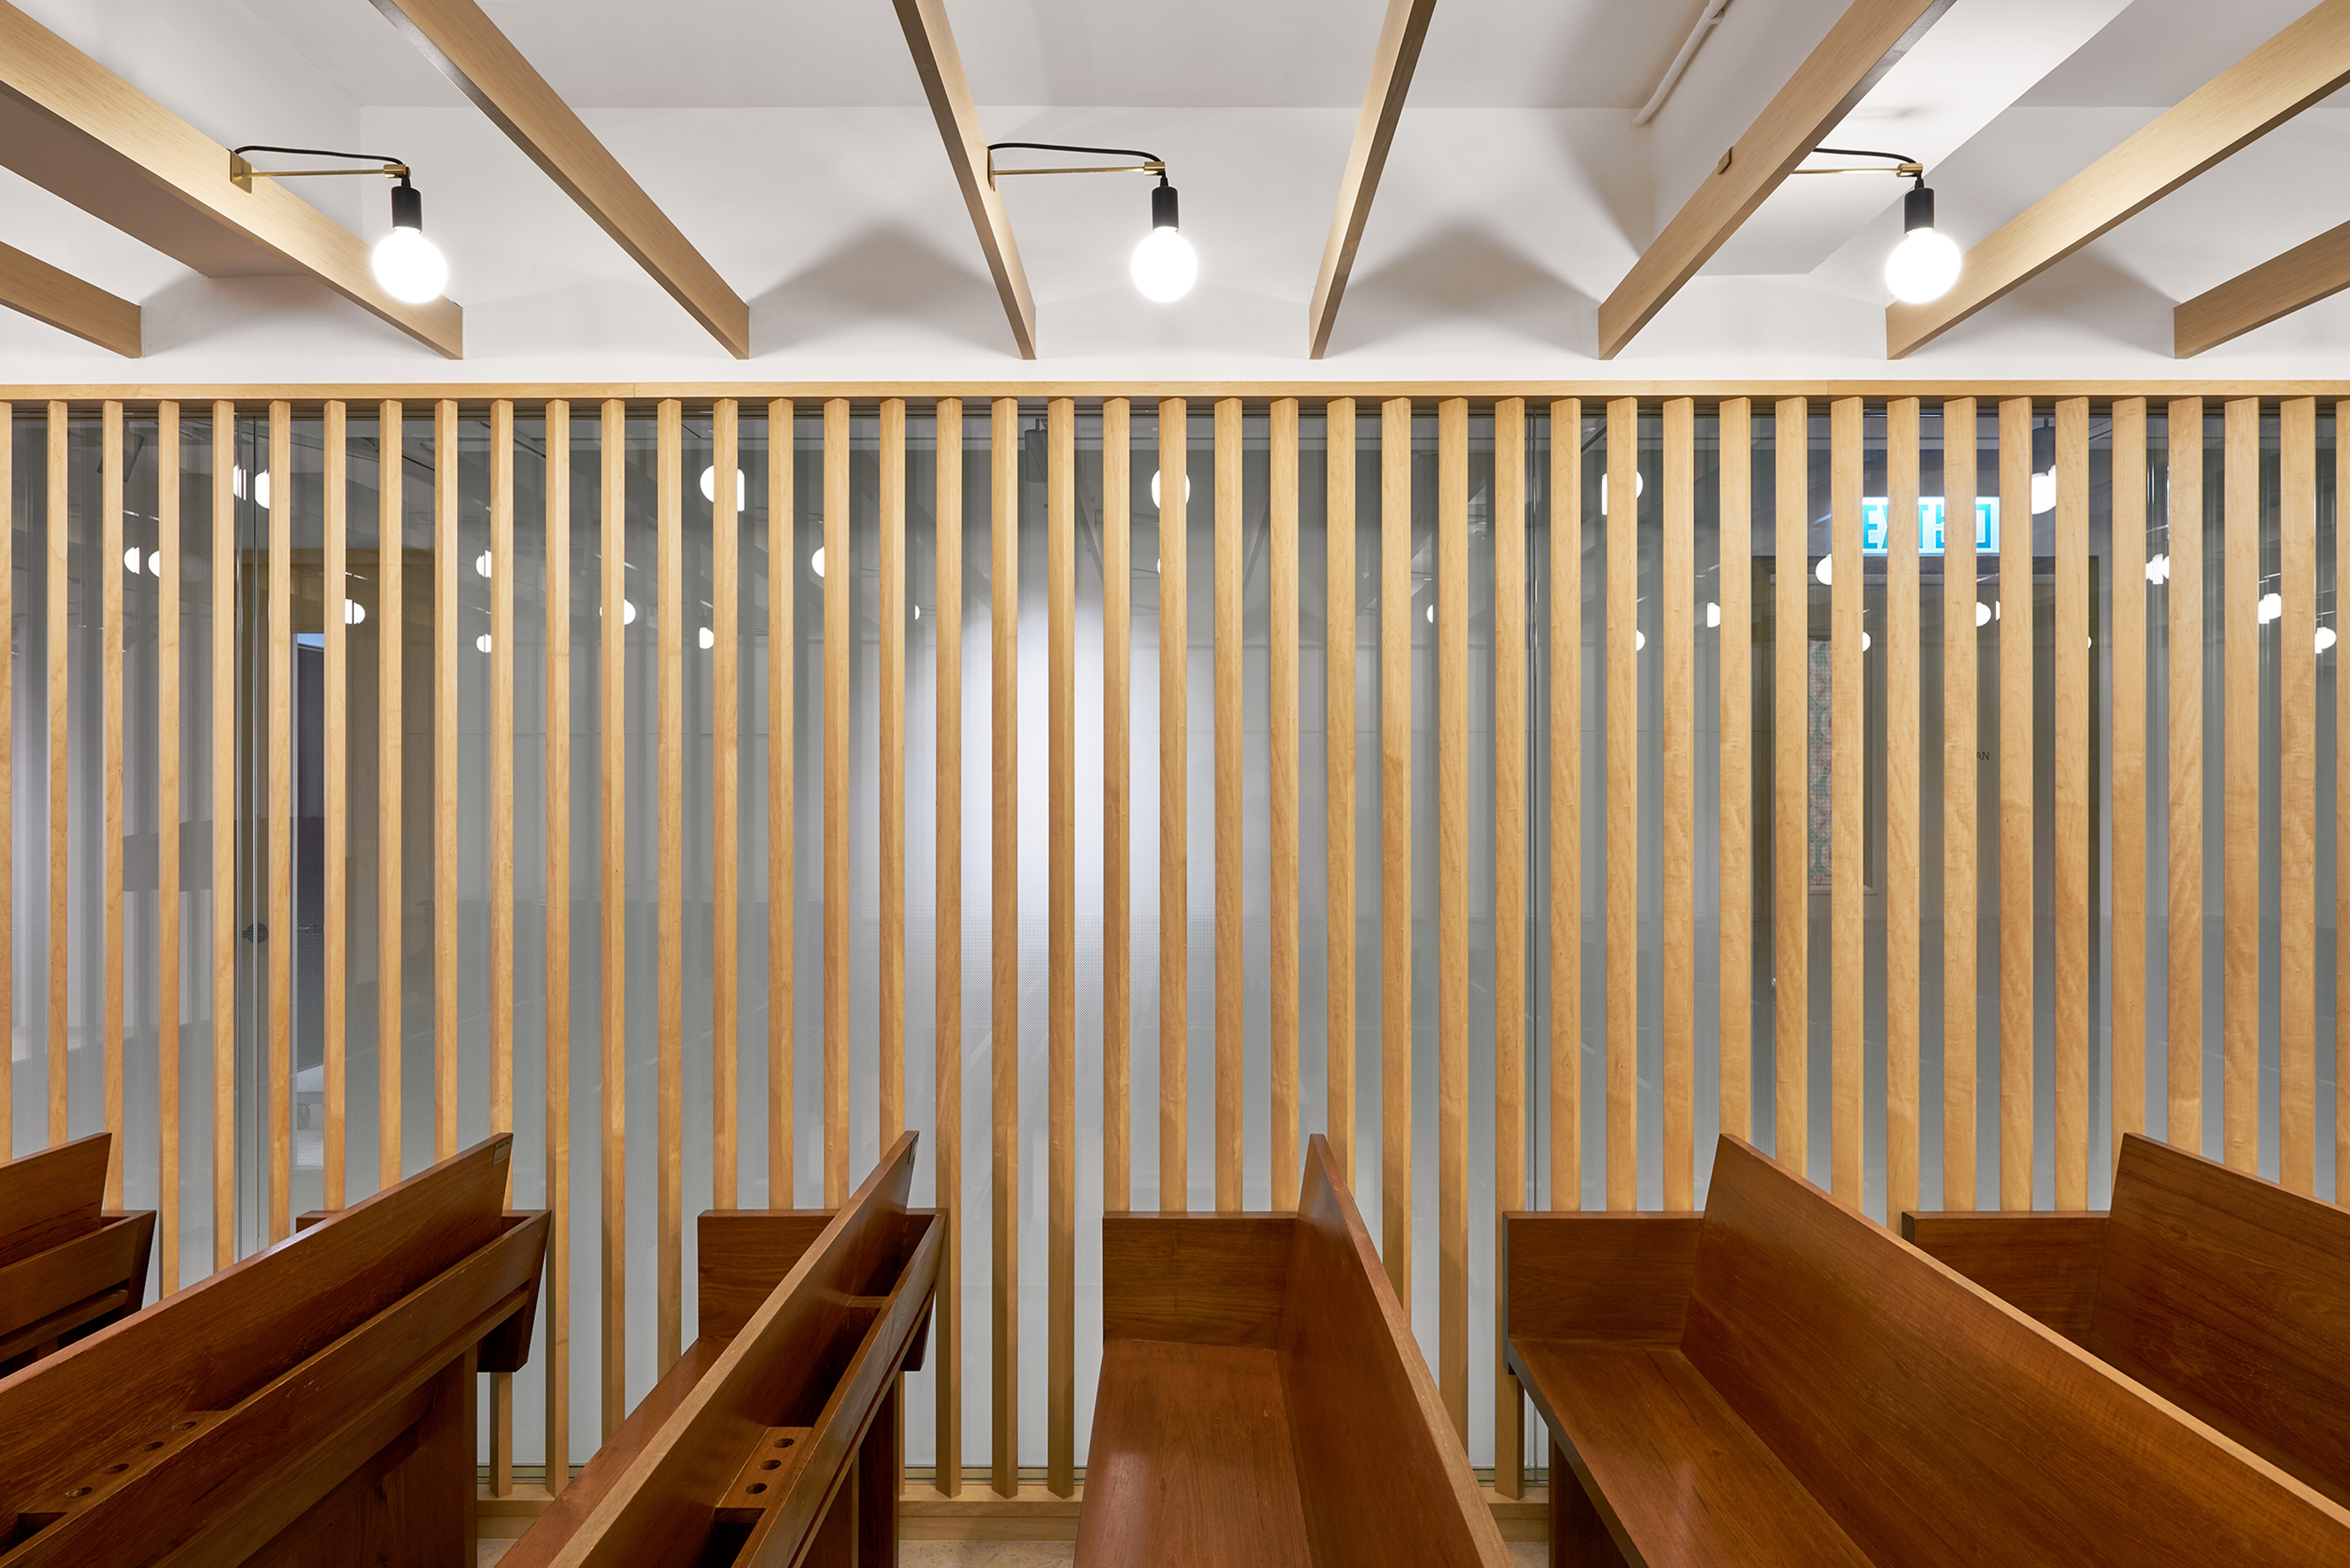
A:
[2044,491]
[353,612]
[483,642]
[2324,638]
[1154,487]
[815,561]
[2272,606]
[1864,642]
[131,559]
[1639,488]
[2158,570]
[155,563]
[1712,614]
[1639,639]
[1431,615]
[627,612]
[710,487]
[1983,613]
[482,564]
[1825,571]
[918,612]
[708,639]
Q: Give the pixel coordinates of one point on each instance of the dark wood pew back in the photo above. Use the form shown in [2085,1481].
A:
[66,1268]
[751,1449]
[210,1423]
[1262,1399]
[2228,1295]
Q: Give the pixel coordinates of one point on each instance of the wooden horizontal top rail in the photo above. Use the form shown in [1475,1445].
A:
[646,394]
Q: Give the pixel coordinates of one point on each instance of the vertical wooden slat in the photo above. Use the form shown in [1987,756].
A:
[1623,676]
[168,1218]
[1677,781]
[225,812]
[1846,808]
[556,1356]
[1453,908]
[390,631]
[725,814]
[1395,844]
[2070,768]
[1117,805]
[2183,435]
[1340,601]
[280,1175]
[670,1130]
[1004,933]
[947,1162]
[612,852]
[2240,1065]
[2016,849]
[838,637]
[1735,655]
[336,759]
[502,866]
[110,574]
[445,643]
[1565,806]
[1281,674]
[1231,980]
[2128,630]
[1790,783]
[892,559]
[54,604]
[783,826]
[1174,807]
[1509,525]
[1960,708]
[1902,925]
[167,829]
[1061,944]
[2297,796]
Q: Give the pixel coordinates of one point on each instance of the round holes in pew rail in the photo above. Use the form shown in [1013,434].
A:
[757,1487]
[77,1491]
[784,1442]
[115,1470]
[771,1464]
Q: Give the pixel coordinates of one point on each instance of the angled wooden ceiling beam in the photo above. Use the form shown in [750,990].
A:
[1398,55]
[2304,62]
[48,293]
[2279,286]
[940,66]
[73,127]
[459,38]
[1865,42]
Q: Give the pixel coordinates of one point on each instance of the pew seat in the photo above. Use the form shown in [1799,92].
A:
[1779,1381]
[1262,1402]
[311,1403]
[68,1266]
[774,1439]
[2227,1294]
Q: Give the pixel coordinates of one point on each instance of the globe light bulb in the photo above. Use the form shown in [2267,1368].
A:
[1154,488]
[1825,571]
[353,612]
[709,487]
[2043,491]
[708,638]
[410,268]
[1164,266]
[815,561]
[1924,265]
[483,642]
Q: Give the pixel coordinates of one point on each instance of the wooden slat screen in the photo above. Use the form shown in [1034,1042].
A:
[1832,684]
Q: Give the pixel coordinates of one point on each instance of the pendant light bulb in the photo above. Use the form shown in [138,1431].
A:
[1165,266]
[410,268]
[1924,265]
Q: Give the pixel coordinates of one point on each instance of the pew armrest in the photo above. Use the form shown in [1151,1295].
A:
[2045,1265]
[507,1347]
[1608,1276]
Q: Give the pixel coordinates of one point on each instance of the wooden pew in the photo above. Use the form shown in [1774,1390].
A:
[2227,1296]
[1263,1402]
[775,1440]
[68,1267]
[1781,1381]
[313,1403]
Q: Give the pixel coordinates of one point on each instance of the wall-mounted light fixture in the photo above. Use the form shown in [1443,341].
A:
[1924,265]
[410,268]
[1165,266]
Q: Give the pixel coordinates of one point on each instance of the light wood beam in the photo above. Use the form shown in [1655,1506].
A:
[1864,44]
[1399,55]
[73,127]
[2312,270]
[50,293]
[2304,63]
[460,39]
[938,63]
